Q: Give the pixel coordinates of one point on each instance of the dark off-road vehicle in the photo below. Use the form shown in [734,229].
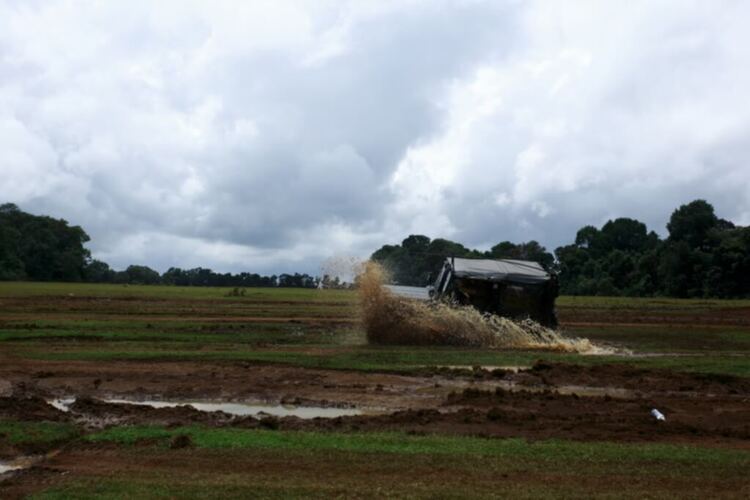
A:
[510,288]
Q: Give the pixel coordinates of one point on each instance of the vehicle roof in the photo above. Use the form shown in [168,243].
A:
[515,271]
[410,292]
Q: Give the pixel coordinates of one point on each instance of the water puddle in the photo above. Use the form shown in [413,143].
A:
[236,409]
[15,464]
[243,410]
[509,368]
[6,467]
[61,404]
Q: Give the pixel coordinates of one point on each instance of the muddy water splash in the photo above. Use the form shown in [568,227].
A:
[389,319]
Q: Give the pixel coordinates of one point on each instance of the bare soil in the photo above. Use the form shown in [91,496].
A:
[550,400]
[705,409]
[357,476]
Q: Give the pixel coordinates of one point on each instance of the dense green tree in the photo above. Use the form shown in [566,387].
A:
[525,251]
[142,275]
[438,250]
[39,247]
[416,243]
[571,264]
[42,248]
[627,235]
[692,223]
[704,256]
[97,271]
[11,265]
[418,259]
[586,237]
[206,277]
[297,280]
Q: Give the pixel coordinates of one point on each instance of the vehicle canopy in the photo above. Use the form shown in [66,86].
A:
[522,272]
[506,287]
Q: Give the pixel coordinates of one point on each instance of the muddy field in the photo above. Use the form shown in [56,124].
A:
[88,383]
[603,403]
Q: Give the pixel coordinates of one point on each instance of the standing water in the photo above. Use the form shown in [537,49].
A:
[16,464]
[236,409]
[7,467]
[242,409]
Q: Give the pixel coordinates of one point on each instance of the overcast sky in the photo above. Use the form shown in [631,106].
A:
[269,136]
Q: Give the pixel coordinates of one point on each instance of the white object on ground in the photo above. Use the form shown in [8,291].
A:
[658,415]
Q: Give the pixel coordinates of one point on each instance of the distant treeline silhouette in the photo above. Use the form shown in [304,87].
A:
[41,248]
[703,256]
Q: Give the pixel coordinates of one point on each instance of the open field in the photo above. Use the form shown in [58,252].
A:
[442,422]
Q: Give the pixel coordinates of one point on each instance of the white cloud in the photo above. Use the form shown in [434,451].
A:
[267,135]
[607,109]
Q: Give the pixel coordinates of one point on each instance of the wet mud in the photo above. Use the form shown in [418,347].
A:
[603,403]
[548,400]
[606,403]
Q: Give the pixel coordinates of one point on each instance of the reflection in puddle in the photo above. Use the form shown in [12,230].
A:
[16,464]
[6,467]
[241,409]
[508,368]
[237,409]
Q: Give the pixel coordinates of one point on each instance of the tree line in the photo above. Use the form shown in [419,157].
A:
[702,256]
[100,272]
[41,248]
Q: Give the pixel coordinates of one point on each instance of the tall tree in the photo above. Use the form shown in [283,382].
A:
[692,223]
[40,247]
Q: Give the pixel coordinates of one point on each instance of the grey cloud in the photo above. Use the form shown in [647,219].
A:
[268,137]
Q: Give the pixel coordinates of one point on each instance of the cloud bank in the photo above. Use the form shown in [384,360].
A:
[269,136]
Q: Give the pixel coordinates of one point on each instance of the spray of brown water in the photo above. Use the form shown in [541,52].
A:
[389,319]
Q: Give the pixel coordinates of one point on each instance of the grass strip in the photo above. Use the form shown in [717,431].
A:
[399,443]
[36,433]
[394,359]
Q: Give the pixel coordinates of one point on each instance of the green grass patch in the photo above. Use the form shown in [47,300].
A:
[21,433]
[648,303]
[30,289]
[109,489]
[162,329]
[389,359]
[35,289]
[398,443]
[666,338]
[242,463]
[209,334]
[365,358]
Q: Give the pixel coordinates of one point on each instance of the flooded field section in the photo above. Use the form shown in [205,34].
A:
[547,400]
[230,408]
[160,424]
